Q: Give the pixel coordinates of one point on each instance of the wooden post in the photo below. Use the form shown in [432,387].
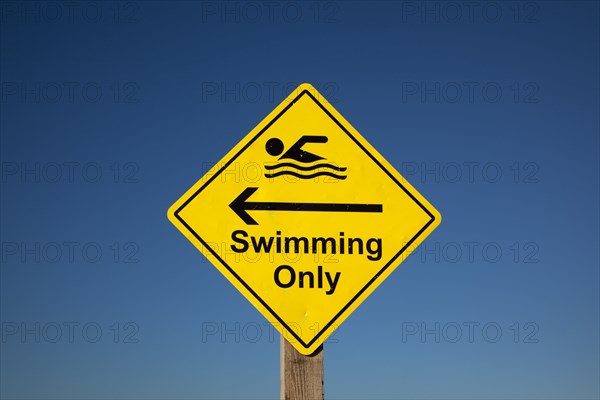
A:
[301,376]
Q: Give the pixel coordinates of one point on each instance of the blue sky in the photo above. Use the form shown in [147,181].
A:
[109,112]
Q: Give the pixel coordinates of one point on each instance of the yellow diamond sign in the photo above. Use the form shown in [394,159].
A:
[305,218]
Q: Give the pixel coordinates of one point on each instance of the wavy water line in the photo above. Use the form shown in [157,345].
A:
[302,168]
[297,175]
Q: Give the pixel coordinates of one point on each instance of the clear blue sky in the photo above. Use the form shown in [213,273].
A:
[109,112]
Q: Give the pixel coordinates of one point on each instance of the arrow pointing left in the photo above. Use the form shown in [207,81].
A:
[240,206]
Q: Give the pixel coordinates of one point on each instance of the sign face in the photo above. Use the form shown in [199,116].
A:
[305,218]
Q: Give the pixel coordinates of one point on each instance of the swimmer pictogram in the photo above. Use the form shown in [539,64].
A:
[275,147]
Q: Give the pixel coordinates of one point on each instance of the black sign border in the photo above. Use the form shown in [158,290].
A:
[360,292]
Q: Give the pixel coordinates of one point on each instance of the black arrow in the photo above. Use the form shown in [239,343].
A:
[240,206]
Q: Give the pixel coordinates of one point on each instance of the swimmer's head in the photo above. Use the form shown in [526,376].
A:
[274,146]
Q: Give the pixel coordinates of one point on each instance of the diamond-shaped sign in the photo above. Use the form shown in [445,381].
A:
[305,218]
